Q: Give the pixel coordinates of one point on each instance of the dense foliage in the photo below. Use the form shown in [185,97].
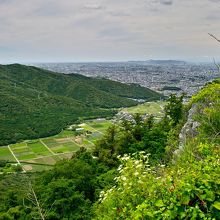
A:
[189,189]
[208,105]
[132,136]
[35,102]
[129,176]
[185,188]
[134,91]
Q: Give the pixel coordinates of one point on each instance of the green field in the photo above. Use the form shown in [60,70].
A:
[41,154]
[5,154]
[150,108]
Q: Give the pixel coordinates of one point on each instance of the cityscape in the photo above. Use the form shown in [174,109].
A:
[164,76]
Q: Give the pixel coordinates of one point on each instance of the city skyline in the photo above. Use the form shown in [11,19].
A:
[108,30]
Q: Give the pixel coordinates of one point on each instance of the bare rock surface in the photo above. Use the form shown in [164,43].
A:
[189,130]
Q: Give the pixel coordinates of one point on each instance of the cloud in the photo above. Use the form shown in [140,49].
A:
[213,17]
[119,14]
[6,1]
[107,29]
[93,7]
[166,2]
[114,32]
[48,10]
[216,1]
[156,2]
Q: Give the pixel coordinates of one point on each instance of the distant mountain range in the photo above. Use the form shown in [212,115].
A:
[159,62]
[36,102]
[162,62]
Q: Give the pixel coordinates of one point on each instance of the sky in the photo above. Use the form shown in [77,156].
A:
[108,30]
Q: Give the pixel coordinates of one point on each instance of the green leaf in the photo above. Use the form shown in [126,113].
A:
[217,205]
[159,203]
[185,200]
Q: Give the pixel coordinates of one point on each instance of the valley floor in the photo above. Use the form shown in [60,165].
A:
[42,154]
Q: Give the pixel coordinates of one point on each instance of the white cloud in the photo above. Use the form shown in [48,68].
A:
[93,7]
[166,2]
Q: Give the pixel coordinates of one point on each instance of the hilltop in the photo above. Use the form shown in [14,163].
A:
[36,102]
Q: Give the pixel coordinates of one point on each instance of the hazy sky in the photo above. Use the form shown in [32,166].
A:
[108,30]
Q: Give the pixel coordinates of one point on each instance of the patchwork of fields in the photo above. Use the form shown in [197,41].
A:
[41,154]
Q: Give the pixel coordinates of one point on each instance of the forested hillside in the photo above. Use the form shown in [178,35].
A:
[187,185]
[137,170]
[35,102]
[130,91]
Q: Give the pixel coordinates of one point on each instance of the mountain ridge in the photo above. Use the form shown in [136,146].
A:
[36,102]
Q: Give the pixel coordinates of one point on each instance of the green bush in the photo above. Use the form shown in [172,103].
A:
[189,189]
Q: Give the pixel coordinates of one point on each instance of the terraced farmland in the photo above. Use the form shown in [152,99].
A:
[41,154]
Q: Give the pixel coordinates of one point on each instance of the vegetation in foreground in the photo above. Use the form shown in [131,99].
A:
[185,188]
[132,173]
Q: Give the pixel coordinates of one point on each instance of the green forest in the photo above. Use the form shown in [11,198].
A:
[38,103]
[138,170]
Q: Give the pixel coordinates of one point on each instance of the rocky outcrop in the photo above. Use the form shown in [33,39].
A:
[189,130]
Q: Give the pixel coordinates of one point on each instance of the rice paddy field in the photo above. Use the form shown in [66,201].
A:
[42,154]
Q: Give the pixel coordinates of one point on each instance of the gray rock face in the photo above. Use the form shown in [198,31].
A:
[189,130]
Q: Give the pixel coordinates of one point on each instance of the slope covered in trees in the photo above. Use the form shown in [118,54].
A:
[35,102]
[134,91]
[95,92]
